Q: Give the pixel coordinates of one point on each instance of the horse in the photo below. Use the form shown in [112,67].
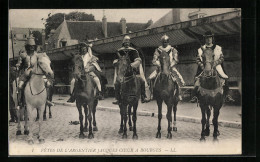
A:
[35,96]
[85,93]
[50,91]
[130,93]
[210,94]
[165,89]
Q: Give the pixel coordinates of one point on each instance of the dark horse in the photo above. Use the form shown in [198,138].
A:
[85,89]
[166,90]
[130,93]
[210,94]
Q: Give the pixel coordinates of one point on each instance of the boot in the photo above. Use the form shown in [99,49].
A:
[49,103]
[144,98]
[117,93]
[72,97]
[194,94]
[99,95]
[229,99]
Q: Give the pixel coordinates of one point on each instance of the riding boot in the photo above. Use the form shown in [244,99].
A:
[194,95]
[72,96]
[228,97]
[117,93]
[180,93]
[49,103]
[143,95]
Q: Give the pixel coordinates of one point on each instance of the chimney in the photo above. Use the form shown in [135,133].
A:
[43,39]
[104,25]
[123,25]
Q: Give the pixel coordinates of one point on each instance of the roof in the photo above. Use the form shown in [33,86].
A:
[82,30]
[179,33]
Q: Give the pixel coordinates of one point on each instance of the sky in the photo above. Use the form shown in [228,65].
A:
[31,18]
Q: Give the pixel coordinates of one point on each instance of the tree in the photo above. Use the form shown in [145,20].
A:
[53,21]
[38,37]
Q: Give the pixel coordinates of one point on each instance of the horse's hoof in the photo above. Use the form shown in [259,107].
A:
[130,128]
[215,139]
[50,116]
[169,136]
[124,136]
[120,131]
[216,134]
[30,142]
[37,119]
[85,130]
[26,132]
[41,141]
[135,136]
[18,133]
[175,129]
[202,139]
[82,136]
[207,132]
[90,136]
[44,119]
[95,128]
[158,135]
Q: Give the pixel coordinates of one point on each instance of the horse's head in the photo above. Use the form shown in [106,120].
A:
[124,68]
[43,61]
[77,66]
[208,60]
[165,63]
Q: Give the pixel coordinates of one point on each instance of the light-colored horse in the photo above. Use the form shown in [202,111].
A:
[35,95]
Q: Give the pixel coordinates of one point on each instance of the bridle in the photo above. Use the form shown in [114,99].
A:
[127,78]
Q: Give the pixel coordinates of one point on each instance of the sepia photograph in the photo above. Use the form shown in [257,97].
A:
[158,81]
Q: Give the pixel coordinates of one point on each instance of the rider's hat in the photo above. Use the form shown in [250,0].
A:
[165,38]
[126,38]
[208,34]
[30,42]
[84,44]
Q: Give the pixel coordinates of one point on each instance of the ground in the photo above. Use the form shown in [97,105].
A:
[61,138]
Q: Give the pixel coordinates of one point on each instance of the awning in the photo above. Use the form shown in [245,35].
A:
[179,33]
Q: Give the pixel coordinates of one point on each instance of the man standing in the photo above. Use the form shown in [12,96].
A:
[90,65]
[173,53]
[218,61]
[26,61]
[135,63]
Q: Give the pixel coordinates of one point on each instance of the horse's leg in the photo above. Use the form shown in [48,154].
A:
[122,118]
[215,123]
[85,129]
[90,106]
[30,122]
[37,117]
[18,132]
[129,118]
[159,103]
[207,130]
[174,117]
[125,120]
[50,116]
[95,128]
[40,110]
[134,120]
[44,113]
[81,134]
[203,121]
[169,118]
[26,128]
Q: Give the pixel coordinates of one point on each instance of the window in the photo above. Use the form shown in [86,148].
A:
[24,36]
[63,44]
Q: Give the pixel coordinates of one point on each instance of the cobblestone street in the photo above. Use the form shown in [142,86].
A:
[59,134]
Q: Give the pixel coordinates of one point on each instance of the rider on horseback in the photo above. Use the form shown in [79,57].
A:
[135,63]
[173,53]
[219,59]
[90,65]
[26,61]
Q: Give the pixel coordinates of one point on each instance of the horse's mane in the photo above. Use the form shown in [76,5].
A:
[40,55]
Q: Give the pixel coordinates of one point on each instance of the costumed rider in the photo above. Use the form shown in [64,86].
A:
[218,64]
[173,53]
[136,65]
[90,66]
[26,61]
